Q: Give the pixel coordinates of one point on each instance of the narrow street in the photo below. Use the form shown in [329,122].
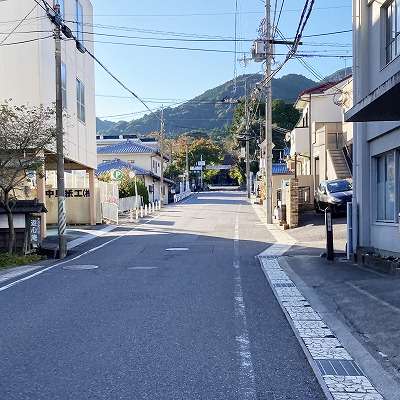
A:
[176,308]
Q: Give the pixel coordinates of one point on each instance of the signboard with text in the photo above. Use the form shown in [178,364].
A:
[218,167]
[34,230]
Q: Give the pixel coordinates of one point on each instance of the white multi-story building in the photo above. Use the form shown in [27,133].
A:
[376,68]
[28,75]
[141,156]
[318,142]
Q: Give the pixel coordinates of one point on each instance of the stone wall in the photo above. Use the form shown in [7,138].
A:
[292,203]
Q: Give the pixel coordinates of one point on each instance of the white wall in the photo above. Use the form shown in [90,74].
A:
[27,71]
[371,138]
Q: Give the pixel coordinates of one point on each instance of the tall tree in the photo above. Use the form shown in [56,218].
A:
[198,149]
[25,133]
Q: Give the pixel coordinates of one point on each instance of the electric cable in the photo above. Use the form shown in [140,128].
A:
[124,86]
[26,41]
[19,24]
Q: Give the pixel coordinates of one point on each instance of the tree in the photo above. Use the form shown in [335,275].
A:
[25,134]
[284,115]
[127,185]
[198,149]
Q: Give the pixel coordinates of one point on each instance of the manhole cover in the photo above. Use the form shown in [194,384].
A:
[87,266]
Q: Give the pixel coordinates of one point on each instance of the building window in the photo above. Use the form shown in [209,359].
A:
[385,188]
[79,21]
[392,30]
[80,100]
[64,85]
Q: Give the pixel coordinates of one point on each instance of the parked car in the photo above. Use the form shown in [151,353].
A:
[334,194]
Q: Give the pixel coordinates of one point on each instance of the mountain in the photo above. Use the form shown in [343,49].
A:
[338,75]
[210,111]
[104,125]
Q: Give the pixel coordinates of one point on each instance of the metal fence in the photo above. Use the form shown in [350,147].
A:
[305,195]
[109,212]
[128,203]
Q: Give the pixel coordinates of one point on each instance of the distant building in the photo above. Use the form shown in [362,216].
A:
[376,117]
[319,144]
[140,156]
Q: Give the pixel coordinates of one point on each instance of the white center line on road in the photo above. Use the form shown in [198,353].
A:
[247,386]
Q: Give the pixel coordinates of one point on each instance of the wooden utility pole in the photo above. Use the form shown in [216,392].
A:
[268,112]
[62,225]
[162,157]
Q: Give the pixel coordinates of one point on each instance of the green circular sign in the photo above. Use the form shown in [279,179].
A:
[116,174]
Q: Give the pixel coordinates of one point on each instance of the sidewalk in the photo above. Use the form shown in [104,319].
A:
[346,317]
[76,235]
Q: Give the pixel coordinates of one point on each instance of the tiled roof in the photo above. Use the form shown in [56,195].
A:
[107,166]
[323,87]
[128,147]
[280,169]
[24,207]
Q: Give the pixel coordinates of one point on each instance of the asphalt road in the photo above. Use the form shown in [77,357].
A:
[177,308]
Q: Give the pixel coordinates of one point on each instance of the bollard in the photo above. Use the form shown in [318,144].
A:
[145,209]
[141,211]
[329,234]
[136,214]
[349,244]
[131,215]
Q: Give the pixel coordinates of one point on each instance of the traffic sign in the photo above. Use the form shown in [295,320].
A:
[116,174]
[218,167]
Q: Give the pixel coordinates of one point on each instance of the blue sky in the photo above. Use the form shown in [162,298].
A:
[167,52]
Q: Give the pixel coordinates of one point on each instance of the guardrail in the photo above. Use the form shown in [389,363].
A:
[181,196]
[109,211]
[127,203]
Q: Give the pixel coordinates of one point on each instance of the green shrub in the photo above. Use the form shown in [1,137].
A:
[15,259]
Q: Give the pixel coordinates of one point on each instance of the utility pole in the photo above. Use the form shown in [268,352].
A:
[268,111]
[187,165]
[247,138]
[162,156]
[62,225]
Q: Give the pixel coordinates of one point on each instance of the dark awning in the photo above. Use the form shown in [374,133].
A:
[380,105]
[24,207]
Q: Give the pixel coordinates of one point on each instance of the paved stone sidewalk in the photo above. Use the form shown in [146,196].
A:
[339,375]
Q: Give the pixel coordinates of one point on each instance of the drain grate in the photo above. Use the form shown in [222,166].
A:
[284,284]
[81,267]
[339,367]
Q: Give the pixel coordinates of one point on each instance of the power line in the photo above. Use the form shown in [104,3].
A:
[125,87]
[171,39]
[19,24]
[155,32]
[26,41]
[163,47]
[206,14]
